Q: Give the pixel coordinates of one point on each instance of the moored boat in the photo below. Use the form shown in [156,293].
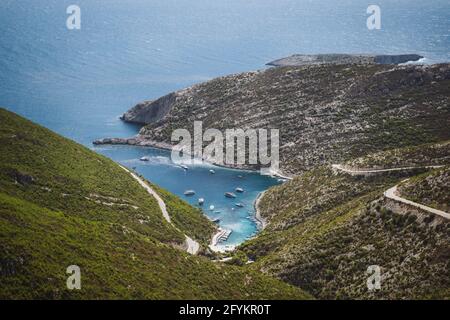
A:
[189,192]
[230,195]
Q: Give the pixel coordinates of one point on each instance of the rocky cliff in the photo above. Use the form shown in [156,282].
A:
[150,111]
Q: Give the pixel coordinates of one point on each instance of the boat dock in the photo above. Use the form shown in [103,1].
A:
[220,236]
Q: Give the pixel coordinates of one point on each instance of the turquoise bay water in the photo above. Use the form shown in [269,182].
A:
[77,83]
[212,187]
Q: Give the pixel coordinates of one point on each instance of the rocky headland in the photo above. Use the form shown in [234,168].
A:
[327,113]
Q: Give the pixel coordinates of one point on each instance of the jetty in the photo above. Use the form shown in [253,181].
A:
[222,235]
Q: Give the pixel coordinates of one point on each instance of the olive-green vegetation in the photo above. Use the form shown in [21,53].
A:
[431,189]
[326,227]
[62,204]
[431,154]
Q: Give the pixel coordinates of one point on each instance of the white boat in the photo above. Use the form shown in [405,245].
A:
[212,171]
[239,190]
[184,167]
[189,192]
[230,195]
[240,205]
[201,201]
[145,159]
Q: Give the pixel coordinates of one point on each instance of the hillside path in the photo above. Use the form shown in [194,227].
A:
[192,245]
[391,193]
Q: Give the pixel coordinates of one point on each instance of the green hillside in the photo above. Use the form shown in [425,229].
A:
[62,204]
[431,189]
[325,228]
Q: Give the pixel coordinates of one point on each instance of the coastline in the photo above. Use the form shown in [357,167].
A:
[262,222]
[140,141]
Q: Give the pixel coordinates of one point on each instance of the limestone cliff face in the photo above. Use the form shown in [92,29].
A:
[150,111]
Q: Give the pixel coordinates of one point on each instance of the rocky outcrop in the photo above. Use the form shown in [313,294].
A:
[150,111]
[21,178]
[397,59]
[334,58]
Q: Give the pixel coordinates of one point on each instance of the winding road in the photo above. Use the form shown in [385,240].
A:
[368,171]
[391,193]
[192,245]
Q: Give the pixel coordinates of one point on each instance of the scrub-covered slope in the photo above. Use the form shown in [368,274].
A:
[431,189]
[326,227]
[62,204]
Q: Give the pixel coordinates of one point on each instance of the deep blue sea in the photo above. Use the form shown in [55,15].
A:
[78,82]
